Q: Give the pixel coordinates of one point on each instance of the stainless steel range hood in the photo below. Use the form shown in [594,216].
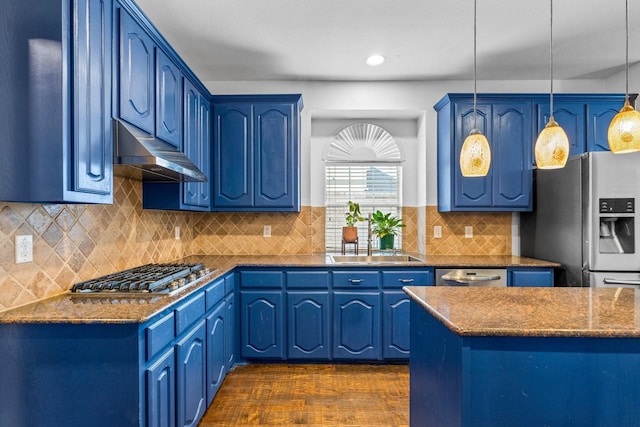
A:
[140,156]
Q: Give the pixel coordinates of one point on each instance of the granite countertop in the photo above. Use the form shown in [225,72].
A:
[544,312]
[81,308]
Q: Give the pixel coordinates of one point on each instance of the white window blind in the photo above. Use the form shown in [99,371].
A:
[375,186]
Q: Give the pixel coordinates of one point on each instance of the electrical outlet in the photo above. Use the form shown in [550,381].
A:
[177,233]
[437,232]
[266,232]
[24,249]
[468,232]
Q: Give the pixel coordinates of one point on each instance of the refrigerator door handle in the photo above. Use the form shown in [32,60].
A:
[608,281]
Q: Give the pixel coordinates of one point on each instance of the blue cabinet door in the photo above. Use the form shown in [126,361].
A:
[532,277]
[471,192]
[600,116]
[191,389]
[161,391]
[230,331]
[216,368]
[356,325]
[92,154]
[262,324]
[571,116]
[276,156]
[197,128]
[168,100]
[395,329]
[308,324]
[136,75]
[232,156]
[511,155]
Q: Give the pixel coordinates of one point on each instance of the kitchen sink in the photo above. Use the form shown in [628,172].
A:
[373,259]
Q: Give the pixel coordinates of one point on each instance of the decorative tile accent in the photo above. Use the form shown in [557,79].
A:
[491,233]
[72,243]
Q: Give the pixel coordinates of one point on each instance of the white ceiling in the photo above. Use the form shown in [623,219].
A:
[230,40]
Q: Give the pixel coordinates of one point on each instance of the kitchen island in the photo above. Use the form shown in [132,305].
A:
[524,356]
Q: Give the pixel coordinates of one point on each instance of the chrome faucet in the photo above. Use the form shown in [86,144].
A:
[369,248]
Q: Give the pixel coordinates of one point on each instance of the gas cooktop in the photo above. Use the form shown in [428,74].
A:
[154,279]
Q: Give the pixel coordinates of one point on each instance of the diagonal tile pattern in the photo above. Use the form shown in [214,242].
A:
[72,243]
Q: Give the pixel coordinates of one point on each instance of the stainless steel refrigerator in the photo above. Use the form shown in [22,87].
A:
[585,218]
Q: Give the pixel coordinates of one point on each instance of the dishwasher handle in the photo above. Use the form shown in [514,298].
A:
[471,277]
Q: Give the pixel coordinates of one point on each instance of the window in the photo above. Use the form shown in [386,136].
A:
[363,165]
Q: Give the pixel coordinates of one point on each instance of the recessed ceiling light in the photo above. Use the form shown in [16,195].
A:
[374,60]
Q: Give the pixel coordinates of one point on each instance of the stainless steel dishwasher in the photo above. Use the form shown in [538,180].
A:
[487,277]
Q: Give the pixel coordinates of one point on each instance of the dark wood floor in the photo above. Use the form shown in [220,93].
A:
[312,395]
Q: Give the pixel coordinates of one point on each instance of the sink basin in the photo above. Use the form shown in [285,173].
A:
[374,259]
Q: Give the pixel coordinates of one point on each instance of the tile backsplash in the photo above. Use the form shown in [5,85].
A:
[72,243]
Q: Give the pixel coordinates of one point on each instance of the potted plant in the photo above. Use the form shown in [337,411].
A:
[352,217]
[385,227]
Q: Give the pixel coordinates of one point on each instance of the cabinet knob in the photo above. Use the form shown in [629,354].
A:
[356,281]
[405,280]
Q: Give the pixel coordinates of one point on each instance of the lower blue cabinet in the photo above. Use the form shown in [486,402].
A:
[356,325]
[262,324]
[161,391]
[308,324]
[530,277]
[191,390]
[216,344]
[230,331]
[395,340]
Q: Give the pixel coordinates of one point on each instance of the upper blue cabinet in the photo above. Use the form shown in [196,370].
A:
[584,117]
[256,153]
[56,133]
[506,121]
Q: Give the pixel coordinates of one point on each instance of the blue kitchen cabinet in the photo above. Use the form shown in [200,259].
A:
[168,106]
[56,139]
[506,121]
[356,325]
[161,391]
[137,89]
[256,153]
[395,320]
[192,196]
[231,319]
[571,116]
[262,314]
[600,116]
[395,306]
[530,277]
[308,324]
[216,363]
[191,382]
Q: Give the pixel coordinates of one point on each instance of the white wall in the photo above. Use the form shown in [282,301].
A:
[392,100]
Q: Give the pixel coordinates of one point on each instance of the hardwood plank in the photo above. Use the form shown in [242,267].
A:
[312,395]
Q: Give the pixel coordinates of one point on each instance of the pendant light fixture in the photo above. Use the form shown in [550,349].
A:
[552,146]
[475,155]
[624,130]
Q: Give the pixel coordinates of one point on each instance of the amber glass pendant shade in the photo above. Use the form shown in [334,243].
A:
[475,155]
[624,130]
[552,147]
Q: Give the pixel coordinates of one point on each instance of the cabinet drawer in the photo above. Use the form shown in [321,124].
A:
[159,334]
[356,279]
[229,283]
[398,279]
[308,279]
[541,277]
[261,279]
[214,293]
[189,312]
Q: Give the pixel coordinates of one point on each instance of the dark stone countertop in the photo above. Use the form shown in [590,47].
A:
[543,312]
[82,308]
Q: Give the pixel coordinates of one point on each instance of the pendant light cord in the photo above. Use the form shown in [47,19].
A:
[551,61]
[475,67]
[626,90]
